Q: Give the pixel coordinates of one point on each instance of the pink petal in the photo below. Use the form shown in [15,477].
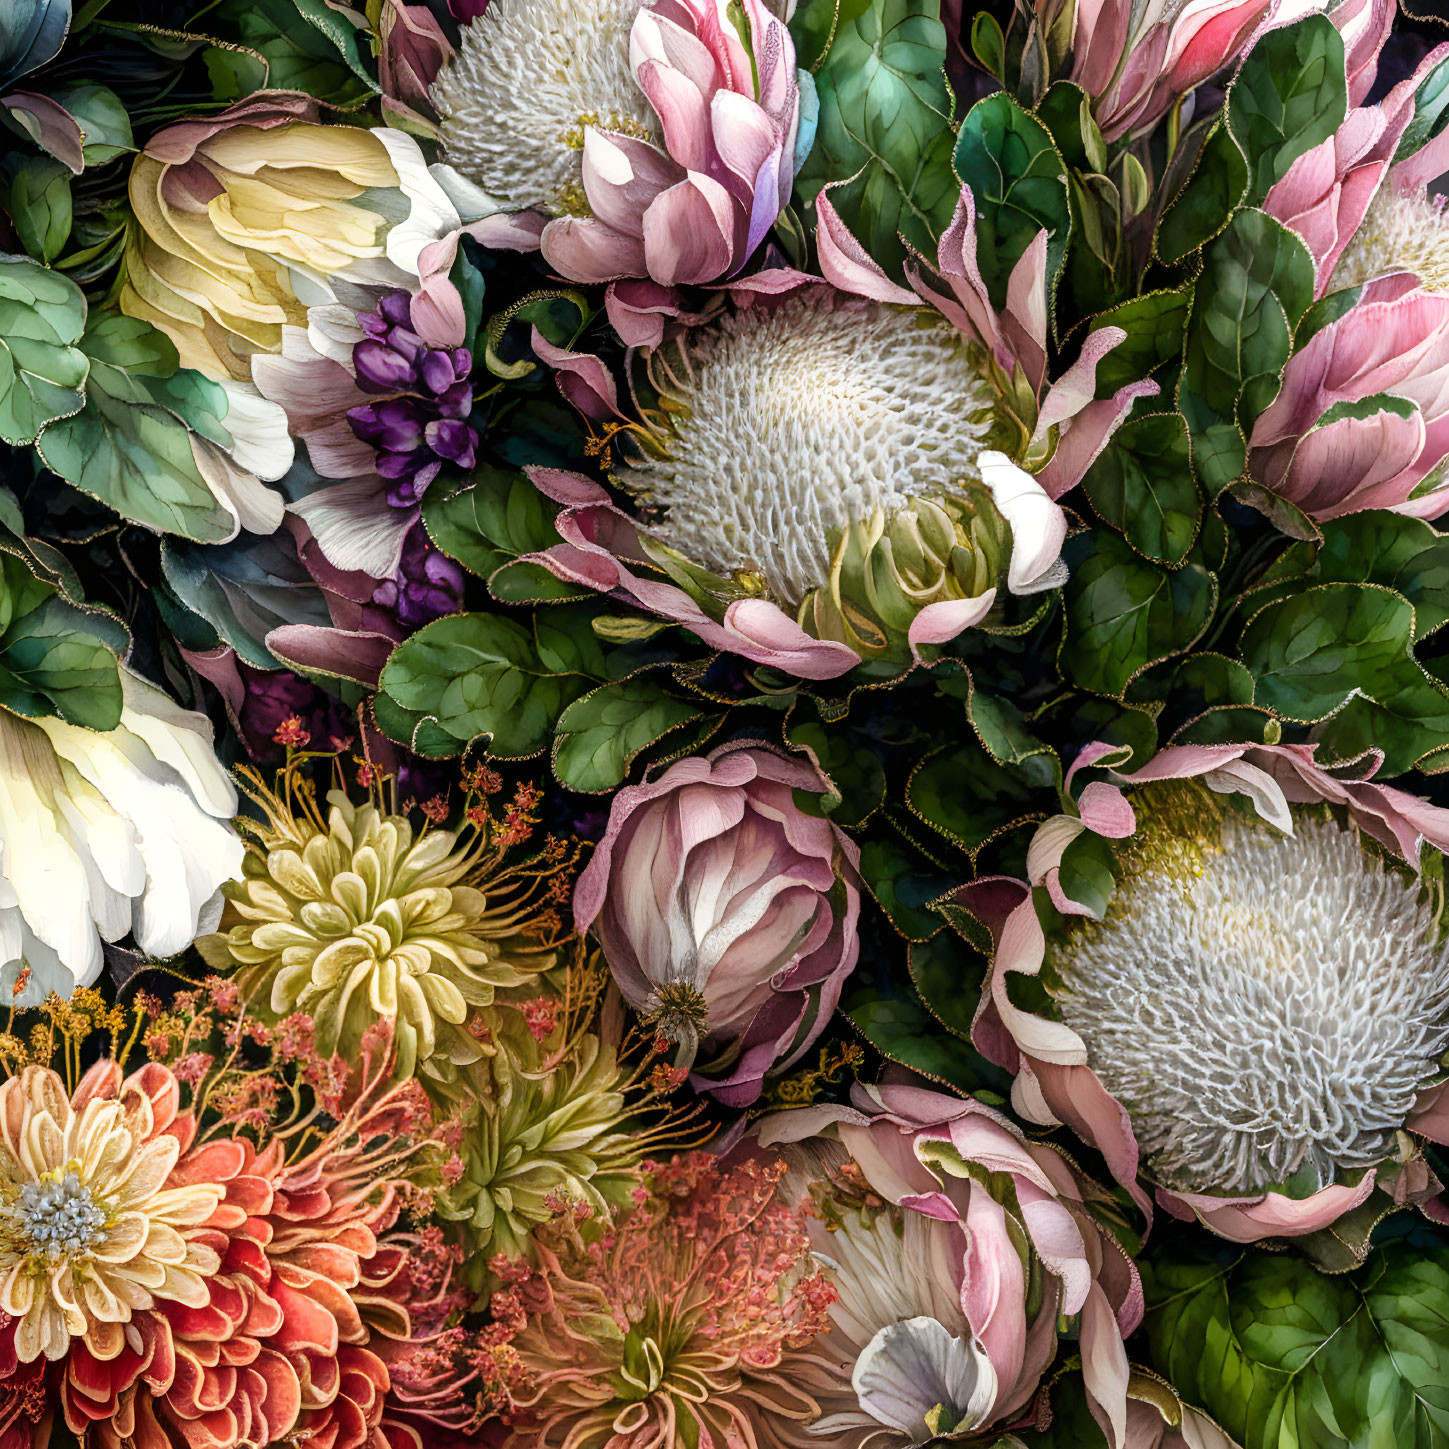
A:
[583,249]
[689,233]
[844,263]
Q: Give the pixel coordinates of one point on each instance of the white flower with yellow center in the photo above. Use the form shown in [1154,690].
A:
[900,1364]
[791,423]
[89,1232]
[1266,1006]
[1408,233]
[530,77]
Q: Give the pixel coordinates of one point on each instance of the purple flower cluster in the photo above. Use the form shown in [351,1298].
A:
[427,584]
[420,420]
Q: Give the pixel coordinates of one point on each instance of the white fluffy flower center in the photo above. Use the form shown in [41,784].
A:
[1275,1013]
[1398,234]
[803,420]
[58,1218]
[529,77]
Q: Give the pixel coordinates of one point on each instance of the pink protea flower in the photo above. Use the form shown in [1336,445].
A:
[1255,1024]
[1138,60]
[934,1327]
[727,915]
[1065,426]
[1362,418]
[678,1328]
[652,140]
[1362,213]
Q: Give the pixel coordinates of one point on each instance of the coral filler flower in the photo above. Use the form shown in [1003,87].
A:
[678,1328]
[658,140]
[727,915]
[102,834]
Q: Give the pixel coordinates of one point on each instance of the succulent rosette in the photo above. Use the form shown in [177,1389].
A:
[956,1247]
[656,139]
[1253,1020]
[726,913]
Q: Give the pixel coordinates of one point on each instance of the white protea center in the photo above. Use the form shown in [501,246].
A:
[529,78]
[805,418]
[1398,234]
[1267,1008]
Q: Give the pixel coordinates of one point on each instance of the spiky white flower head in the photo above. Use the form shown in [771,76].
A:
[804,418]
[1407,233]
[1264,1005]
[528,80]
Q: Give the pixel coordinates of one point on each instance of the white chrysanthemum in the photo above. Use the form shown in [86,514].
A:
[1269,1005]
[805,419]
[899,1363]
[529,77]
[1398,234]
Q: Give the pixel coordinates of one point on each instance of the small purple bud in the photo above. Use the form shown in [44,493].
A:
[437,371]
[397,307]
[381,367]
[452,440]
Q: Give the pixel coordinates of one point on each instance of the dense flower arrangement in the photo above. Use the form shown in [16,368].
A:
[723,724]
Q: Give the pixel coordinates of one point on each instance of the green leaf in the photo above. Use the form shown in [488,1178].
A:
[1431,113]
[853,769]
[1008,159]
[1142,484]
[42,315]
[478,676]
[885,107]
[603,732]
[1154,325]
[134,455]
[37,199]
[1214,190]
[1286,1357]
[300,56]
[904,884]
[1309,652]
[1257,282]
[903,1031]
[1291,93]
[102,117]
[812,27]
[54,657]
[498,516]
[1125,614]
[966,795]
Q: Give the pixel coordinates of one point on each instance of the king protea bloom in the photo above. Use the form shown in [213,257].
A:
[654,140]
[1265,1000]
[105,834]
[820,461]
[92,1228]
[355,918]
